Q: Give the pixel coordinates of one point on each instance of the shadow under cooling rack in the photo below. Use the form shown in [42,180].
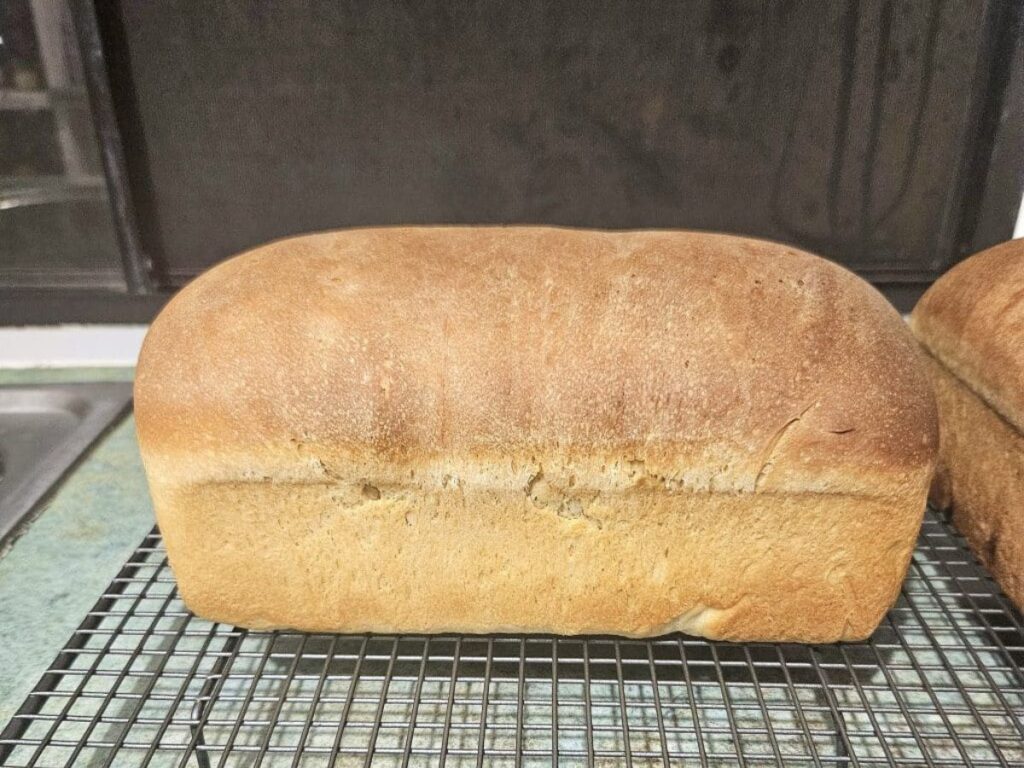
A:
[143,682]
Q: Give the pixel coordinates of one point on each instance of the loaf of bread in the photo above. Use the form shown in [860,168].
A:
[971,323]
[536,430]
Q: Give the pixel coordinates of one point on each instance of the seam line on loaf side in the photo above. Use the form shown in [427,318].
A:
[967,385]
[405,489]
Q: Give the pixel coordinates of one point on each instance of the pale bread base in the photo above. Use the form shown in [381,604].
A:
[738,566]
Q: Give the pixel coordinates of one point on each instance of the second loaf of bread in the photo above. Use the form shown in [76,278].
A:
[971,324]
[536,430]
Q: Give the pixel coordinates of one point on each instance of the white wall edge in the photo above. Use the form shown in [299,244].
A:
[71,346]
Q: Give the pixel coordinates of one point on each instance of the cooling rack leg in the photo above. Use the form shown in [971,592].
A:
[196,724]
[824,700]
[198,719]
[843,757]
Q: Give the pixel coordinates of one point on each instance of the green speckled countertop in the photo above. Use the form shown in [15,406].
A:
[63,559]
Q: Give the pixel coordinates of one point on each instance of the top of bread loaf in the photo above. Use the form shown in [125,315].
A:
[468,355]
[972,321]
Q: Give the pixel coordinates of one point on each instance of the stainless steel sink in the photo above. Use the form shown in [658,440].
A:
[43,430]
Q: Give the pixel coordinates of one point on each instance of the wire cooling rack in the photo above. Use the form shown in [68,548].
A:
[143,682]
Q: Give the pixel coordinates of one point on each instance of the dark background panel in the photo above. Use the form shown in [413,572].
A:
[862,130]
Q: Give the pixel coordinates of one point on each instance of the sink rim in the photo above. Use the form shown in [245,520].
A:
[96,405]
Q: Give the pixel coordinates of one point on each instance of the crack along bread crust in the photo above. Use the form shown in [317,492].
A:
[536,430]
[971,322]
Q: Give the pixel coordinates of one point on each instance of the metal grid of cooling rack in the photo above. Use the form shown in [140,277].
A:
[143,682]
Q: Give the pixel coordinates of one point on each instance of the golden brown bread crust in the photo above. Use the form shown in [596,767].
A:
[727,362]
[983,477]
[537,373]
[972,321]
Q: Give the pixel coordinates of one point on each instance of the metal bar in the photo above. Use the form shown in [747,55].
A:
[137,269]
[446,733]
[691,695]
[520,696]
[483,709]
[843,738]
[384,686]
[149,689]
[273,720]
[316,699]
[211,687]
[867,705]
[621,684]
[554,700]
[417,694]
[898,695]
[769,728]
[48,18]
[587,698]
[662,736]
[28,101]
[798,707]
[250,691]
[727,702]
[349,695]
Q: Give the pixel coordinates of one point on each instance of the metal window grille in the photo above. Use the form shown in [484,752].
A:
[143,682]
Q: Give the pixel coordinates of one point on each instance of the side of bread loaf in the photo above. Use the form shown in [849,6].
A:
[971,322]
[535,429]
[982,478]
